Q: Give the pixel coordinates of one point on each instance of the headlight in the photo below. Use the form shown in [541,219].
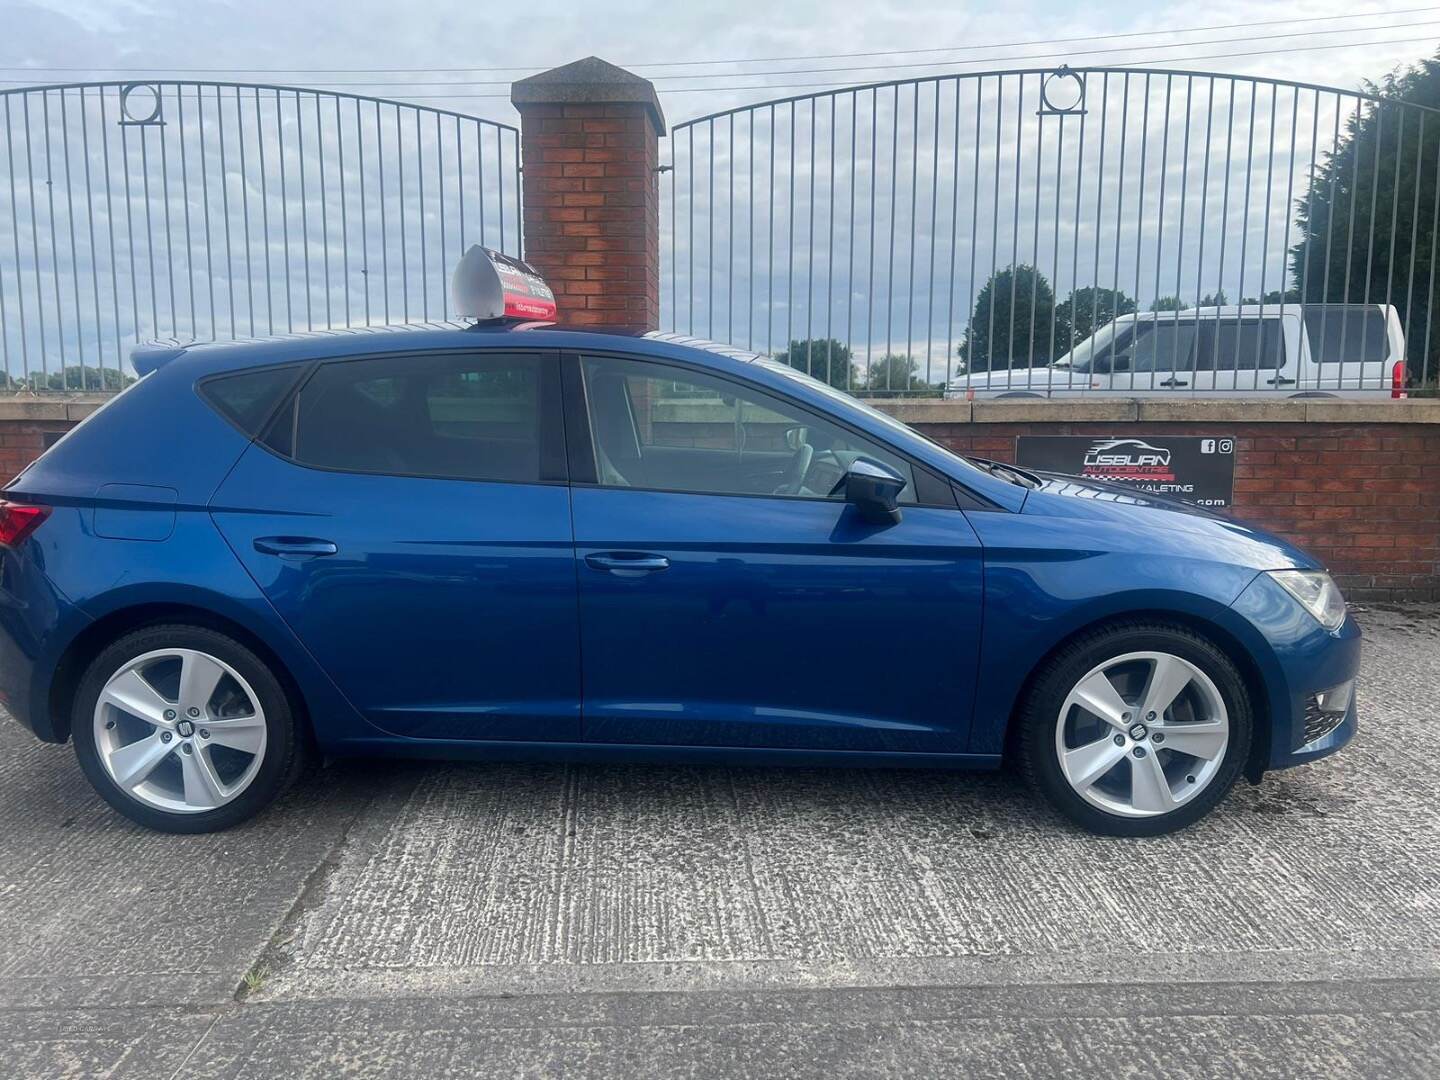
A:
[1316,593]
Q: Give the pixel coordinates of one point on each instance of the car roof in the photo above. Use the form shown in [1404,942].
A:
[1235,311]
[211,357]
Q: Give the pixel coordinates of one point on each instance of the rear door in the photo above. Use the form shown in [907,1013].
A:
[409,517]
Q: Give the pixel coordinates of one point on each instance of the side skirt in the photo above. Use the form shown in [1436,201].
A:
[466,750]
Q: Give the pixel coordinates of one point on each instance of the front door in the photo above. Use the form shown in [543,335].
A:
[726,599]
[408,517]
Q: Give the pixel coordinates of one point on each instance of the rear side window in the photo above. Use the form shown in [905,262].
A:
[1346,333]
[1241,345]
[469,417]
[248,399]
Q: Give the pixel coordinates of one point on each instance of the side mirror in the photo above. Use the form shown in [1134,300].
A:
[873,489]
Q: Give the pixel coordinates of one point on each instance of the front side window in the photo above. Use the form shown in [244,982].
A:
[1157,345]
[468,417]
[672,429]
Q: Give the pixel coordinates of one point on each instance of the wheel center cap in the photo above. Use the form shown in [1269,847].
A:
[186,728]
[1137,732]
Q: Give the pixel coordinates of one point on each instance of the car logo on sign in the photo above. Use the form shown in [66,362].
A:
[1127,459]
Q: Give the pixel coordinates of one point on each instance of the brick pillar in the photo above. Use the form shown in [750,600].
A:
[590,153]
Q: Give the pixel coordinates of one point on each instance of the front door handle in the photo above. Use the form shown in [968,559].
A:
[1175,382]
[1280,380]
[295,547]
[627,564]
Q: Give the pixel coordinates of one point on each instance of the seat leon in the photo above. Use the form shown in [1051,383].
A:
[527,542]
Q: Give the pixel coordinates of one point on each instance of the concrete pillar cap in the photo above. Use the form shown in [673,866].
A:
[590,81]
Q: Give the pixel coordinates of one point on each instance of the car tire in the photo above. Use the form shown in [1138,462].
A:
[187,771]
[1150,787]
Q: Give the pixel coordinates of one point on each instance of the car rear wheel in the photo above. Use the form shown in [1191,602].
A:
[183,729]
[1136,730]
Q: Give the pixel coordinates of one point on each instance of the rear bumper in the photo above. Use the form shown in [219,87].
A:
[36,624]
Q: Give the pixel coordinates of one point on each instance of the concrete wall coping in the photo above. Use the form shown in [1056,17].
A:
[1189,410]
[73,407]
[58,407]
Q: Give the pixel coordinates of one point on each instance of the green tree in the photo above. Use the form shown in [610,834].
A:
[1011,324]
[895,374]
[1168,303]
[1367,183]
[825,359]
[1088,309]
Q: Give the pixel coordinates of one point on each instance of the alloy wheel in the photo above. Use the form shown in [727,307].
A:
[180,730]
[1142,734]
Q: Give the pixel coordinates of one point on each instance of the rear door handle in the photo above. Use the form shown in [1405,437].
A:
[1175,382]
[627,564]
[295,547]
[1280,380]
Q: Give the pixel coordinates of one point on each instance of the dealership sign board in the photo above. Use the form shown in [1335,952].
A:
[1196,469]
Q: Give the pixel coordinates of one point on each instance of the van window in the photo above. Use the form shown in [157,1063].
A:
[469,417]
[1163,344]
[1346,333]
[1158,345]
[1230,344]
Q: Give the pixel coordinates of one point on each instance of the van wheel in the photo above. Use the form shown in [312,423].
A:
[185,730]
[1135,730]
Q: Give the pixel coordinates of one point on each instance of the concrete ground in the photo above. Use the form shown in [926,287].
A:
[443,920]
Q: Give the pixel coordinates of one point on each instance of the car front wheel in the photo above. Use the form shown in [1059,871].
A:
[183,729]
[1136,730]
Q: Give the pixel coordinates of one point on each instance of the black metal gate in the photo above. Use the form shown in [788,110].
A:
[198,210]
[899,236]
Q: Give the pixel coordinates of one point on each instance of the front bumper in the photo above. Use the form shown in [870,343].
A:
[1299,658]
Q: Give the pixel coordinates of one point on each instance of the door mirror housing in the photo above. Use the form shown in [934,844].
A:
[873,489]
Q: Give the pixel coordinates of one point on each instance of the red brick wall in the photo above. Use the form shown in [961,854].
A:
[592,211]
[21,442]
[1365,499]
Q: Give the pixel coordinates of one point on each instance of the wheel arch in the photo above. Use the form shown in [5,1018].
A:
[97,635]
[1216,633]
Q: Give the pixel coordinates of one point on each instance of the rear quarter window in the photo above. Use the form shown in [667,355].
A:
[248,398]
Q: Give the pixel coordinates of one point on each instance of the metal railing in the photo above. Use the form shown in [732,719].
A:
[908,236]
[201,210]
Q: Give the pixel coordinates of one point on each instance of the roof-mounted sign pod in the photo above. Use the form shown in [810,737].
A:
[489,285]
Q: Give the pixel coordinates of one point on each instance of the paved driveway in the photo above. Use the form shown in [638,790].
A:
[406,919]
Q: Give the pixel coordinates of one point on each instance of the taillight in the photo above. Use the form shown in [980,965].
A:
[1397,380]
[19,520]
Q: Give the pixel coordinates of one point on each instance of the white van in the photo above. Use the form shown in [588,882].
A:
[1297,350]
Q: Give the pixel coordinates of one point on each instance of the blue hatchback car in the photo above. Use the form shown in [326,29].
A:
[520,542]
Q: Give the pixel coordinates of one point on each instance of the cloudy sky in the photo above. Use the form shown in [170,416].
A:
[364,37]
[462,56]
